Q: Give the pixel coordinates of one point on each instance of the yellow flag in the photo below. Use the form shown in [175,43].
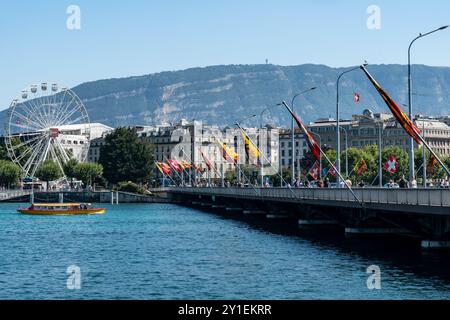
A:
[250,148]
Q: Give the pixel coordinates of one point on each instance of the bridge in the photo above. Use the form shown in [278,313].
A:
[6,195]
[423,214]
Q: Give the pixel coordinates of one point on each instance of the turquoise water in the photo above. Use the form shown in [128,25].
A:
[171,252]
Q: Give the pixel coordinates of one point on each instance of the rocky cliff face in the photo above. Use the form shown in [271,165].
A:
[223,94]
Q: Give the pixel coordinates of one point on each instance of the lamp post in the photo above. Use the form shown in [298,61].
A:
[261,149]
[338,132]
[293,129]
[411,140]
[238,165]
[346,150]
[380,148]
[424,156]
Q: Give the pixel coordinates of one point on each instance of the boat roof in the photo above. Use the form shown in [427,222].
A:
[72,204]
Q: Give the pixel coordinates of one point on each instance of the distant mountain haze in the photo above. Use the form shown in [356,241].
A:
[224,94]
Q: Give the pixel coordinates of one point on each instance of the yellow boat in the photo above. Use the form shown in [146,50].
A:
[61,209]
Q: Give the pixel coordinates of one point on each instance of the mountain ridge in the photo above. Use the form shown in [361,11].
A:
[223,94]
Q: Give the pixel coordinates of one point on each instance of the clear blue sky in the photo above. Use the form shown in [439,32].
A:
[135,37]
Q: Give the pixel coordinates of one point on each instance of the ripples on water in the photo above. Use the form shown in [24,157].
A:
[172,252]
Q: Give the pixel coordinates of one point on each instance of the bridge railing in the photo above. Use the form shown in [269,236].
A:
[423,197]
[8,194]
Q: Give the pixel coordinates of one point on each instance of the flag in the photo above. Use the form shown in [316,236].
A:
[197,168]
[185,165]
[361,167]
[206,160]
[250,149]
[356,97]
[313,146]
[163,168]
[399,115]
[175,165]
[228,154]
[332,171]
[314,172]
[391,164]
[431,164]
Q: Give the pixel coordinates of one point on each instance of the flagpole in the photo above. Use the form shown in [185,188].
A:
[174,170]
[263,155]
[164,175]
[250,183]
[222,170]
[221,175]
[261,160]
[269,162]
[435,155]
[415,130]
[329,161]
[184,170]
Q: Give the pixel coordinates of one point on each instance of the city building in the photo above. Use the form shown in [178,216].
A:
[73,138]
[286,155]
[363,130]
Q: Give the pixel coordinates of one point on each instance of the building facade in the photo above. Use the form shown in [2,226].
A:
[364,129]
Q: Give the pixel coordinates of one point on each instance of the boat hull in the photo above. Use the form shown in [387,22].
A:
[61,212]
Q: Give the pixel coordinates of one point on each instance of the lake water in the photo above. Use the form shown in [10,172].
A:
[170,252]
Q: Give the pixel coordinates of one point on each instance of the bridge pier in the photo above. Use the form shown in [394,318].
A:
[254,212]
[231,209]
[430,244]
[316,222]
[374,231]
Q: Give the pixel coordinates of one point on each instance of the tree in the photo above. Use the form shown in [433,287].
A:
[125,157]
[10,173]
[3,152]
[69,168]
[87,172]
[48,171]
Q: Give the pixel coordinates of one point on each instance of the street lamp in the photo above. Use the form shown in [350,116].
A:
[293,129]
[380,148]
[261,150]
[346,150]
[411,140]
[238,165]
[338,132]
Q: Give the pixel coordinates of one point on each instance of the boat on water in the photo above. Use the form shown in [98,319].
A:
[61,209]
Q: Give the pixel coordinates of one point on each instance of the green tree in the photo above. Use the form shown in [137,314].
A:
[48,171]
[287,177]
[3,151]
[125,157]
[355,156]
[10,173]
[88,172]
[69,168]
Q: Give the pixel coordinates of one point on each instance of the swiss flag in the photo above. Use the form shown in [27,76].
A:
[332,171]
[175,165]
[391,164]
[315,171]
[356,97]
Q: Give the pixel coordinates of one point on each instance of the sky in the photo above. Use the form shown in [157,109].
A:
[135,37]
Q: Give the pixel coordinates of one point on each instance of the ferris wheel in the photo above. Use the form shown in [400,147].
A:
[46,122]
